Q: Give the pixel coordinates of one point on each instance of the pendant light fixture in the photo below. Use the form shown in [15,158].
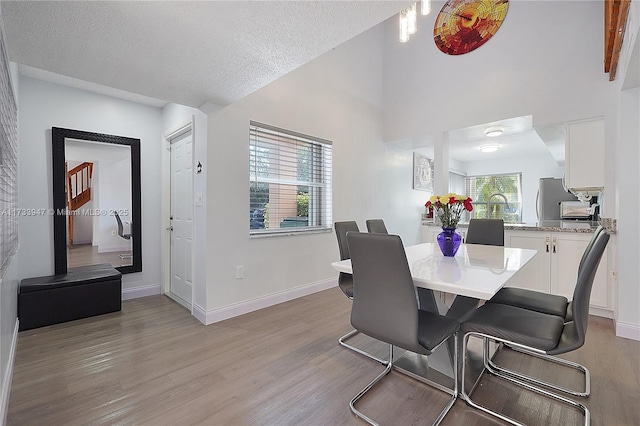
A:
[412,17]
[426,7]
[409,19]
[404,27]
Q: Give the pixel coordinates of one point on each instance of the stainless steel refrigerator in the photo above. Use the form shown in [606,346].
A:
[550,194]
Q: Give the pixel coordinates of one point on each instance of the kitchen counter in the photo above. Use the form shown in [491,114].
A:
[548,226]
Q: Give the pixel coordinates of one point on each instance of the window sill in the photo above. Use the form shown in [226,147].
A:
[287,233]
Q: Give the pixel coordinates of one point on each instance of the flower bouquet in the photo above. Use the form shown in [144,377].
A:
[448,208]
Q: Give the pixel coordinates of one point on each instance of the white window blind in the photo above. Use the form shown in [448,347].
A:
[289,181]
[8,164]
[489,192]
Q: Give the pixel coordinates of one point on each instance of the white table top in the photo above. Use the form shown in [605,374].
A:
[476,270]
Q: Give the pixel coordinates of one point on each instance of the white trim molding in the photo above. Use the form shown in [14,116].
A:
[628,330]
[8,375]
[237,309]
[600,312]
[142,291]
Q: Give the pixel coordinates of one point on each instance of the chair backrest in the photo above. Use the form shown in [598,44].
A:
[597,232]
[341,229]
[120,227]
[345,281]
[575,331]
[582,292]
[489,232]
[376,226]
[384,302]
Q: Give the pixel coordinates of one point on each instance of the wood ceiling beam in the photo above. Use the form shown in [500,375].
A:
[611,10]
[615,27]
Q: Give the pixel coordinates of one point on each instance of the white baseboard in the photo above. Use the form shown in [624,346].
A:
[142,291]
[199,313]
[226,312]
[599,312]
[8,375]
[628,330]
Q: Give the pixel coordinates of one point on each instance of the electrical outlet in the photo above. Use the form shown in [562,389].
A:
[239,272]
[113,233]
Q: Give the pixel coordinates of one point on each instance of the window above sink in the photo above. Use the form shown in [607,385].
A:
[496,196]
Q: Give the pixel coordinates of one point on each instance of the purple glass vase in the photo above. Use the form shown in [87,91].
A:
[449,241]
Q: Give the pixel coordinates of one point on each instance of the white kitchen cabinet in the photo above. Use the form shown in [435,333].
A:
[554,269]
[584,154]
[535,275]
[428,234]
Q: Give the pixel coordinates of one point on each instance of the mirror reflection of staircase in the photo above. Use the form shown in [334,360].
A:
[78,191]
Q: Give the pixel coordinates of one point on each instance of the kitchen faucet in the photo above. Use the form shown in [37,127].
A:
[489,204]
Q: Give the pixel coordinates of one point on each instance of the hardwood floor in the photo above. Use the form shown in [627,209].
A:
[154,364]
[86,254]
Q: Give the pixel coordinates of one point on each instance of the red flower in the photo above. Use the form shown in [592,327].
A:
[467,204]
[427,204]
[452,200]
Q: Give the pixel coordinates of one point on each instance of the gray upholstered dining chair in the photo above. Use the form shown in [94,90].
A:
[345,281]
[539,301]
[489,232]
[385,306]
[535,332]
[551,304]
[123,235]
[376,226]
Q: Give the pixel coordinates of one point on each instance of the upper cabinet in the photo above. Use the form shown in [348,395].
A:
[584,155]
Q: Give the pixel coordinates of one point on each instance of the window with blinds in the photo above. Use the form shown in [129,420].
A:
[289,181]
[496,196]
[8,164]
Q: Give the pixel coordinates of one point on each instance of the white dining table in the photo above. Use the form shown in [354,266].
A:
[477,271]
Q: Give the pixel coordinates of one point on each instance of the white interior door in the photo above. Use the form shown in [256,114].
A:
[181,218]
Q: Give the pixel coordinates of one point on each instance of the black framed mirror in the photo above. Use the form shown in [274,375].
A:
[113,208]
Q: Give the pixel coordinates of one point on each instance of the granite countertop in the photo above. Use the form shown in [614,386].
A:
[548,226]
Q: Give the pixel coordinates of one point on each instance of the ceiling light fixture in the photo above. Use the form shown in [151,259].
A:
[493,131]
[404,27]
[412,16]
[409,19]
[426,7]
[490,147]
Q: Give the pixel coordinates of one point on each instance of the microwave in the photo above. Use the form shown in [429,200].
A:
[575,210]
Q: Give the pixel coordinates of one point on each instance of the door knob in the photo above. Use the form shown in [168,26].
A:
[170,228]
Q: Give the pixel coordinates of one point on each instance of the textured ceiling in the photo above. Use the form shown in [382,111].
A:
[181,51]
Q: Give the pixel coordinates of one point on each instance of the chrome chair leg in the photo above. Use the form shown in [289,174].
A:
[352,333]
[495,369]
[528,386]
[352,403]
[387,370]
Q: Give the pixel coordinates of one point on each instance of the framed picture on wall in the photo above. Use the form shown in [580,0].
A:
[422,173]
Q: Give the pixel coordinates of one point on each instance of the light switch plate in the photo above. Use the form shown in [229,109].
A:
[198,198]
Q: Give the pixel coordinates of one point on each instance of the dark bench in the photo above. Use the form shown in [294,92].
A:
[80,293]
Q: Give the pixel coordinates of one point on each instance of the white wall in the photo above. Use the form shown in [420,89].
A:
[174,116]
[44,105]
[336,97]
[114,194]
[625,163]
[628,237]
[553,72]
[532,168]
